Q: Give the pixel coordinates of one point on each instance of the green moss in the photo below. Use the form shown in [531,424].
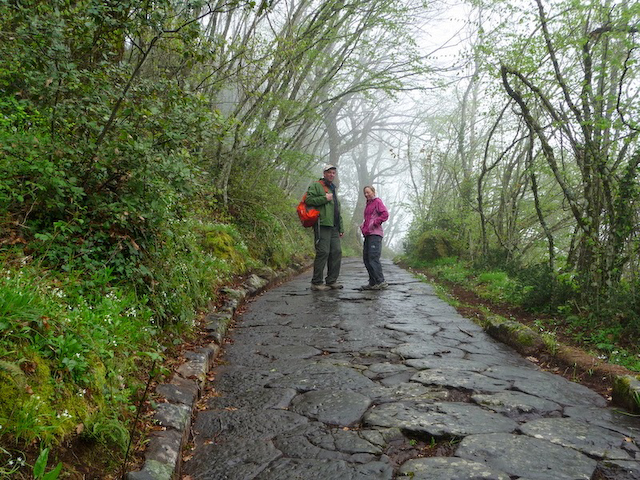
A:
[12,388]
[223,245]
[626,392]
[36,406]
[435,244]
[218,243]
[525,337]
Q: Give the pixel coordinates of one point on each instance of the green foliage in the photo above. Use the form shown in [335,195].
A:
[495,278]
[184,271]
[39,468]
[270,227]
[224,243]
[538,289]
[450,269]
[117,222]
[107,430]
[62,353]
[436,244]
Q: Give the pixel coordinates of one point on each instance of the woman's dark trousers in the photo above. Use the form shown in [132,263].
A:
[371,255]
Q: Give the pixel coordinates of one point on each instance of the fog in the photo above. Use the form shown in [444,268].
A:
[398,132]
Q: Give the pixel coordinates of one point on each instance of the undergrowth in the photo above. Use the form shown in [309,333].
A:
[76,347]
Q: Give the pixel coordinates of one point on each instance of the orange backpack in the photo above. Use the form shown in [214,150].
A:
[308,215]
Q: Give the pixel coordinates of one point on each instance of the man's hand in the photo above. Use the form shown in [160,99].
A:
[329,197]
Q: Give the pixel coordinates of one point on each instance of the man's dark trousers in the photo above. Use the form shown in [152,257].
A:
[328,253]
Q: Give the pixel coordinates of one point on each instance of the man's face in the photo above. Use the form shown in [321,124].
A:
[330,174]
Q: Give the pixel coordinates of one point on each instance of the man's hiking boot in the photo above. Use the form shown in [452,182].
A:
[366,287]
[380,286]
[320,287]
[335,286]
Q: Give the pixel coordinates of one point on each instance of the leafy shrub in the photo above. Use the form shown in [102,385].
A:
[270,228]
[436,244]
[183,271]
[496,258]
[107,430]
[539,289]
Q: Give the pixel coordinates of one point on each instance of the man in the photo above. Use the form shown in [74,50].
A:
[327,231]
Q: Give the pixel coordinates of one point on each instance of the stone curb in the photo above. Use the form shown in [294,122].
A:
[163,455]
[626,389]
[526,341]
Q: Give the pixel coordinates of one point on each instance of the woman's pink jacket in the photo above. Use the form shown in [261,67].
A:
[374,214]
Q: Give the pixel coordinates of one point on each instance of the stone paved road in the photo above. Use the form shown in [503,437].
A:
[351,384]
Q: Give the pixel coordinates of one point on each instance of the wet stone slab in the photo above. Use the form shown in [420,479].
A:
[558,389]
[318,441]
[422,329]
[620,470]
[254,399]
[439,362]
[231,459]
[426,350]
[245,355]
[408,391]
[518,406]
[290,352]
[382,370]
[237,379]
[610,418]
[333,407]
[472,381]
[522,456]
[591,440]
[483,347]
[297,469]
[258,424]
[448,469]
[440,420]
[508,358]
[323,376]
[310,441]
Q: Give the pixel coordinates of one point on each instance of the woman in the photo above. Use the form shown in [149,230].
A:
[374,214]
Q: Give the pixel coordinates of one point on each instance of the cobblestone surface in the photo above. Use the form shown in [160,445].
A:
[326,385]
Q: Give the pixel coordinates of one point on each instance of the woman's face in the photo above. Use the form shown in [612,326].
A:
[368,193]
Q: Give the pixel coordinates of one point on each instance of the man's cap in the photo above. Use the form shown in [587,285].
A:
[328,167]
